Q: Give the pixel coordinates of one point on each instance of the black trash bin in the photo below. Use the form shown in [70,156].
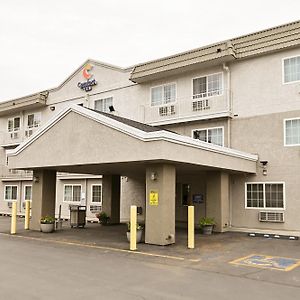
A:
[77,215]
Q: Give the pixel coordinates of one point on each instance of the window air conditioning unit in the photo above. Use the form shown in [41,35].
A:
[95,208]
[28,133]
[271,216]
[167,110]
[14,135]
[200,105]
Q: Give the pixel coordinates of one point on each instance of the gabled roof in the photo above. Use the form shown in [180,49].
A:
[129,122]
[22,102]
[135,129]
[258,43]
[95,63]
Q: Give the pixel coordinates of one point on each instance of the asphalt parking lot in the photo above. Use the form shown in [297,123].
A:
[236,256]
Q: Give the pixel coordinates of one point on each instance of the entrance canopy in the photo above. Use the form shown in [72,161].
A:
[81,140]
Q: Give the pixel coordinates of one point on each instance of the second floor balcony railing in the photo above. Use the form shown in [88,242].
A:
[200,106]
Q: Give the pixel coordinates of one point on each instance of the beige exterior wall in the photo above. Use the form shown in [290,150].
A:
[260,103]
[265,134]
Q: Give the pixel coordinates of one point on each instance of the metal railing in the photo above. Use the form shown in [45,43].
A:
[196,106]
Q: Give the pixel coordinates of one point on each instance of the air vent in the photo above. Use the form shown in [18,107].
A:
[167,110]
[9,204]
[271,216]
[95,208]
[200,105]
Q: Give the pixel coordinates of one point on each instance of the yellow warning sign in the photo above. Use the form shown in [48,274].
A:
[153,198]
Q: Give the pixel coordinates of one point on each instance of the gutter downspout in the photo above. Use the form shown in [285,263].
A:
[229,103]
[226,68]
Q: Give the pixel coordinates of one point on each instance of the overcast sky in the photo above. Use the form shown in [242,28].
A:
[43,41]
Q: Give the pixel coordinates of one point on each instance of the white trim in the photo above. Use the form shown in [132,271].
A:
[96,203]
[72,184]
[13,118]
[264,208]
[282,70]
[168,121]
[209,128]
[163,104]
[24,193]
[134,132]
[206,75]
[284,132]
[11,200]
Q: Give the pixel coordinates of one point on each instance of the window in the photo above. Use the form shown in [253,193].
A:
[291,69]
[210,135]
[11,192]
[28,192]
[163,94]
[207,86]
[72,193]
[292,132]
[13,124]
[104,104]
[33,120]
[265,195]
[96,193]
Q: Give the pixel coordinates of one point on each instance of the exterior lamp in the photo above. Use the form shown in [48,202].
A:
[264,164]
[36,179]
[153,176]
[111,108]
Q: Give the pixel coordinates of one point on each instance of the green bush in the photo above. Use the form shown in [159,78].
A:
[47,220]
[138,226]
[206,221]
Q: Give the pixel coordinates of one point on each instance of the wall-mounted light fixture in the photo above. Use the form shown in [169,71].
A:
[52,108]
[264,164]
[153,176]
[111,108]
[36,179]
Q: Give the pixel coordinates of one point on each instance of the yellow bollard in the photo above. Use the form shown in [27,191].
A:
[133,220]
[191,228]
[13,227]
[27,214]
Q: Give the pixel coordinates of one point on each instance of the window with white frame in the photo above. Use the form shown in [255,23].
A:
[10,192]
[291,69]
[27,192]
[292,132]
[72,193]
[96,193]
[210,135]
[13,124]
[33,120]
[104,104]
[265,195]
[163,94]
[207,86]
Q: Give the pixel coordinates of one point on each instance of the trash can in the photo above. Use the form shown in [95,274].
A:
[77,215]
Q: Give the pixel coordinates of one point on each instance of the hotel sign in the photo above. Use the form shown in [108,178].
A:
[89,83]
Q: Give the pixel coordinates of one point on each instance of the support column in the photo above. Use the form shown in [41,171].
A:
[111,197]
[160,204]
[217,199]
[43,196]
